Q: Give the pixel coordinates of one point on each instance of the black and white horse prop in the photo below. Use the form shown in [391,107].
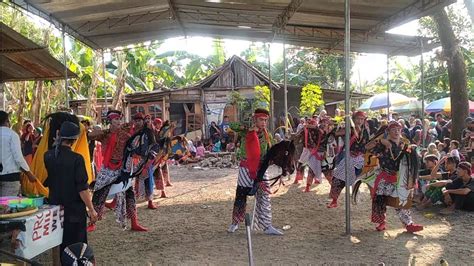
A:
[281,154]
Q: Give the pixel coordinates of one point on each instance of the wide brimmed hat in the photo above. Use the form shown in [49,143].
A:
[69,130]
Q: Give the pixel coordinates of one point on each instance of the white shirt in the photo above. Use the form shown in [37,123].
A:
[11,156]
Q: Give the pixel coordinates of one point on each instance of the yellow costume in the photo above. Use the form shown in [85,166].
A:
[39,170]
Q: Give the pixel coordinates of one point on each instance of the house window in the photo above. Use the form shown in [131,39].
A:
[154,110]
[136,109]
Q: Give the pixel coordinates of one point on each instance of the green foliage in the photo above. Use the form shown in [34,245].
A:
[311,99]
[262,97]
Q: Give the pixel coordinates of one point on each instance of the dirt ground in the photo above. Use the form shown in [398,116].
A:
[190,226]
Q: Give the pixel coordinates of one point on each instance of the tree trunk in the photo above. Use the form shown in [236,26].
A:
[22,103]
[456,73]
[36,103]
[120,81]
[47,97]
[91,109]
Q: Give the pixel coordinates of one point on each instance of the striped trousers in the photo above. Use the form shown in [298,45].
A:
[263,210]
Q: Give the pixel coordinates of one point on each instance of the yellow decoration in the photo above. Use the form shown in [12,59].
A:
[39,170]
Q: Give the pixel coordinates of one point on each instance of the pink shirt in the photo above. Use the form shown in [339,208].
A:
[200,151]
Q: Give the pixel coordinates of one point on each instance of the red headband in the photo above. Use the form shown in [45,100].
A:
[113,116]
[360,113]
[262,115]
[393,124]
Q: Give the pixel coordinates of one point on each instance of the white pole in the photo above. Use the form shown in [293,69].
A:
[104,85]
[272,96]
[422,70]
[66,85]
[285,91]
[347,83]
[388,87]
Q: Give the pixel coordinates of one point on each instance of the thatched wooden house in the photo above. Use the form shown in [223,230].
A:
[186,105]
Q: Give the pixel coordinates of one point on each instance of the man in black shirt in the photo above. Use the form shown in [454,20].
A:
[461,197]
[67,182]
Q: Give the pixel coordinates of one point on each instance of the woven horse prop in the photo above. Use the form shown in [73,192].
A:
[139,151]
[281,154]
[406,178]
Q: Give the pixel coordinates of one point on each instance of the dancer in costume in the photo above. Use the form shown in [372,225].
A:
[391,152]
[312,155]
[161,174]
[114,141]
[255,142]
[330,148]
[154,170]
[359,137]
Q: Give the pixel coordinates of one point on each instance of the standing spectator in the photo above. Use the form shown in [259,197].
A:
[405,130]
[432,133]
[37,139]
[395,117]
[224,128]
[416,132]
[215,132]
[411,121]
[440,123]
[300,126]
[67,182]
[27,139]
[12,161]
[446,130]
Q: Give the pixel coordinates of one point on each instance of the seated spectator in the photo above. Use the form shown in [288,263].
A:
[217,146]
[200,150]
[461,197]
[438,180]
[432,150]
[441,150]
[453,149]
[429,163]
[191,148]
[223,144]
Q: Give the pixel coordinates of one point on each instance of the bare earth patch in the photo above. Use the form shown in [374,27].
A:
[190,226]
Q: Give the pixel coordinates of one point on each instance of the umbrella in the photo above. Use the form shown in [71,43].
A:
[379,101]
[413,105]
[444,105]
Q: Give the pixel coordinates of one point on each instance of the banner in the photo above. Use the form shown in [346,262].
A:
[44,230]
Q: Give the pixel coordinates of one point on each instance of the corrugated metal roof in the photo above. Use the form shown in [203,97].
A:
[22,59]
[316,23]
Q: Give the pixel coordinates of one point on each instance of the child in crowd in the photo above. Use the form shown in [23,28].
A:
[432,150]
[453,149]
[442,153]
[200,150]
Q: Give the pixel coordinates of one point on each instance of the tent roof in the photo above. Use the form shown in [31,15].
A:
[22,59]
[316,23]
